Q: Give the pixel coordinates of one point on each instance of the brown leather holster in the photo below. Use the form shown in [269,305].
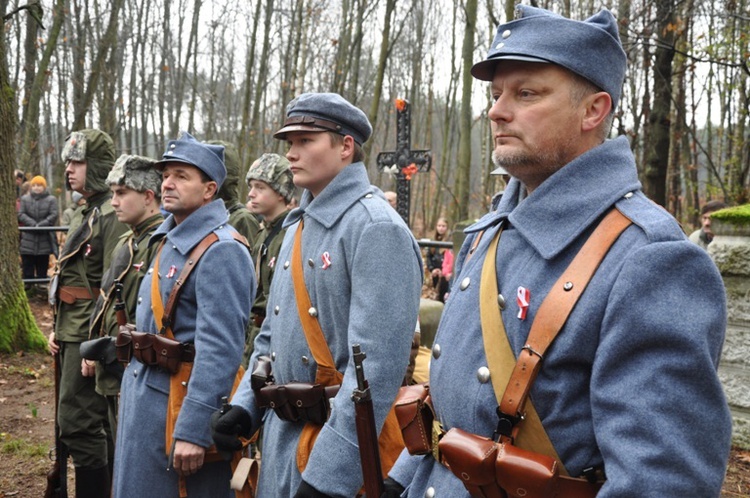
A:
[152,349]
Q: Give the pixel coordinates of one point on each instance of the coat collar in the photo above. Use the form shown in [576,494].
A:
[350,185]
[190,232]
[569,201]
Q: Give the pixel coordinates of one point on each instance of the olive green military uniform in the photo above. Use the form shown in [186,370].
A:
[132,259]
[265,252]
[242,220]
[92,237]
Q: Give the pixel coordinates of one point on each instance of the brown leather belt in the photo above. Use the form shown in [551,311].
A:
[70,295]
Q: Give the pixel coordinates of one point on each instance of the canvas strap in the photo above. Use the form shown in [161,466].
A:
[519,374]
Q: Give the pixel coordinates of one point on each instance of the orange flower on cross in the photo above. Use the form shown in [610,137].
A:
[409,171]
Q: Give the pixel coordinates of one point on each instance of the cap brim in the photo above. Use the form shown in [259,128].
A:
[281,134]
[485,70]
[159,165]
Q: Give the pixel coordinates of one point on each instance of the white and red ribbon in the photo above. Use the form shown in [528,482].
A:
[326,260]
[172,271]
[522,298]
[138,266]
[272,263]
[88,250]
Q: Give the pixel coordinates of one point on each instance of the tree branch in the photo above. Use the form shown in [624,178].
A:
[35,11]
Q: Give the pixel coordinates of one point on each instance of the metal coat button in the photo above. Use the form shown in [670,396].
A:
[368,196]
[430,493]
[312,311]
[276,310]
[501,301]
[273,356]
[311,263]
[465,283]
[150,271]
[436,351]
[506,33]
[628,195]
[140,299]
[483,375]
[286,264]
[305,360]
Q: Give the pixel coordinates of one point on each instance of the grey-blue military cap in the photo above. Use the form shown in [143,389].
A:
[206,157]
[325,112]
[590,48]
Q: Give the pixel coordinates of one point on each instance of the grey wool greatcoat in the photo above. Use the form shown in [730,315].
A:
[630,382]
[369,294]
[211,312]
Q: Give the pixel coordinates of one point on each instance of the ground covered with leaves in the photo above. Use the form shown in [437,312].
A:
[27,398]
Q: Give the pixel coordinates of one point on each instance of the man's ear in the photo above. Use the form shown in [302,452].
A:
[347,149]
[211,188]
[597,108]
[150,197]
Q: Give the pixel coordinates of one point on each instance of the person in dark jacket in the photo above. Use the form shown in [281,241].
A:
[38,209]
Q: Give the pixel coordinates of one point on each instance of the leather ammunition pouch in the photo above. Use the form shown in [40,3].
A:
[415,416]
[497,470]
[152,349]
[69,295]
[294,401]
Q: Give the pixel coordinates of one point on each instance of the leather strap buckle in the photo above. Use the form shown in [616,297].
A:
[505,425]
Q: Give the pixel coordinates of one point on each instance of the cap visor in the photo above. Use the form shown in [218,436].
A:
[485,70]
[159,165]
[281,134]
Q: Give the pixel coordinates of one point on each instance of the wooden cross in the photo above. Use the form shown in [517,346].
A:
[404,162]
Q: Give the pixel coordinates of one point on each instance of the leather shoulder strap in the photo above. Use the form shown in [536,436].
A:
[164,316]
[316,341]
[502,363]
[557,306]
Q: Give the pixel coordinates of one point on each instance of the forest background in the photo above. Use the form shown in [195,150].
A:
[143,70]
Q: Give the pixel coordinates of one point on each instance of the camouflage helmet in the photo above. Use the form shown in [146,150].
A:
[98,151]
[137,173]
[273,169]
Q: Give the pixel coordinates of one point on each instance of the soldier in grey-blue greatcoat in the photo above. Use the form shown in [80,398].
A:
[363,273]
[211,314]
[628,392]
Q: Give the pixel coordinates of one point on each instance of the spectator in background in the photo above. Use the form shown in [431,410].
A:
[392,198]
[38,209]
[435,259]
[703,236]
[78,201]
[20,178]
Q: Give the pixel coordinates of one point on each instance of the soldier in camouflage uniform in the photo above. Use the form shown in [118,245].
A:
[94,231]
[136,189]
[245,222]
[271,189]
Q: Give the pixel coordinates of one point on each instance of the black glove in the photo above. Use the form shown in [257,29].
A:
[307,491]
[227,427]
[391,489]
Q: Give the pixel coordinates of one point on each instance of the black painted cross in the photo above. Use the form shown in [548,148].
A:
[404,162]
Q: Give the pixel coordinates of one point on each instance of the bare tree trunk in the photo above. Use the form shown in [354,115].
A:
[390,7]
[105,45]
[183,76]
[29,152]
[463,170]
[657,150]
[255,124]
[246,134]
[18,330]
